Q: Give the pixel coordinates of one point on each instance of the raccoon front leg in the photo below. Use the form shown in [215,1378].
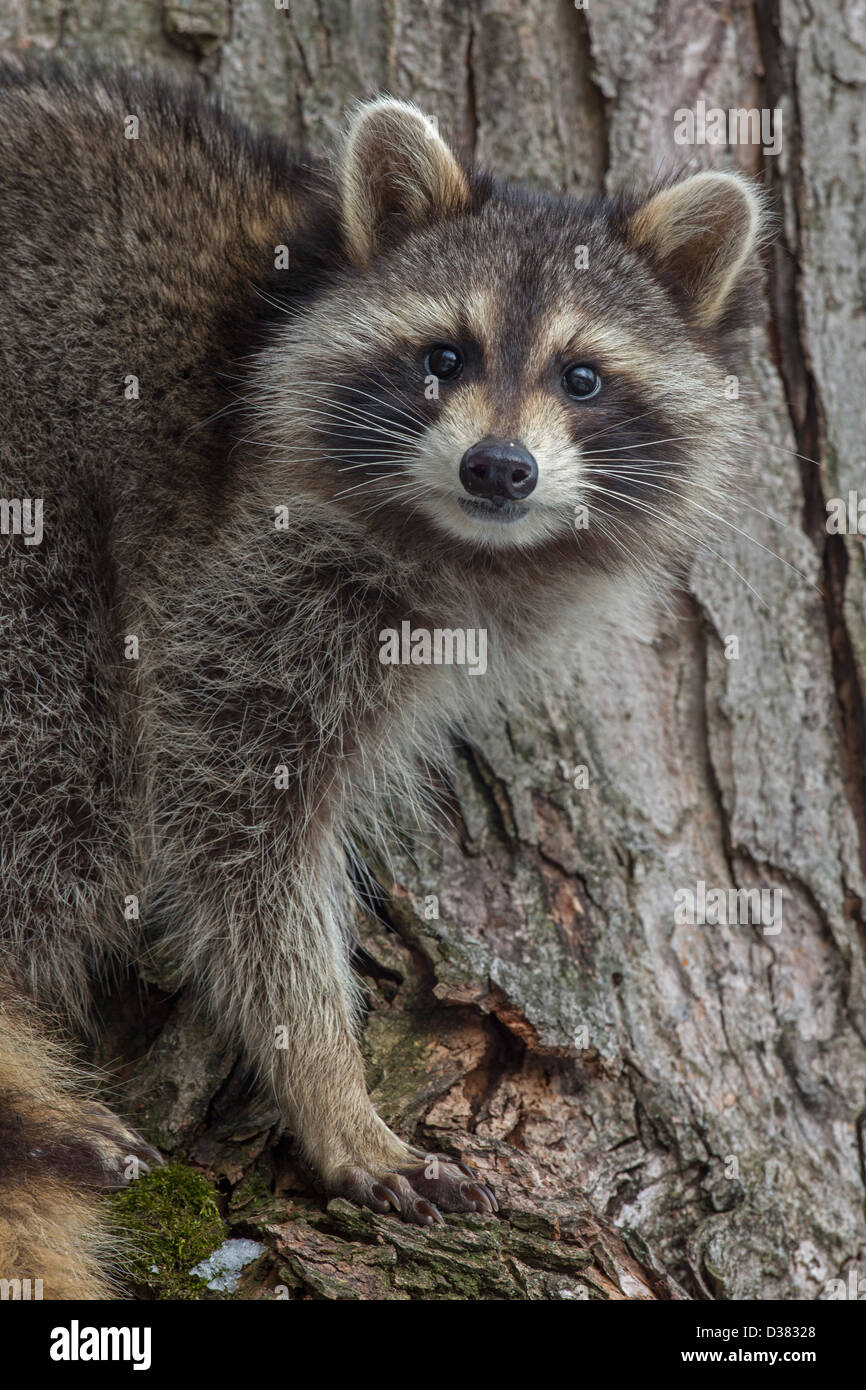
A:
[282,970]
[264,748]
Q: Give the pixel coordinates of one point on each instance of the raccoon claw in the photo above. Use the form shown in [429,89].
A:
[390,1191]
[385,1196]
[417,1191]
[451,1183]
[122,1153]
[430,1215]
[483,1199]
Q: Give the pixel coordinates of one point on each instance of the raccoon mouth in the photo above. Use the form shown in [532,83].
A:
[500,511]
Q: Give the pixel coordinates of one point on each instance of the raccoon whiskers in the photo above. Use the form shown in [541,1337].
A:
[783,448]
[382,397]
[298,402]
[617,425]
[404,494]
[270,299]
[394,465]
[716,516]
[349,418]
[312,454]
[792,453]
[758,441]
[637,473]
[609,526]
[233,406]
[334,403]
[676,528]
[374,456]
[624,448]
[652,578]
[376,482]
[672,523]
[358,438]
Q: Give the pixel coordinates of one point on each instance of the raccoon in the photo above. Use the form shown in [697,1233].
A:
[257,413]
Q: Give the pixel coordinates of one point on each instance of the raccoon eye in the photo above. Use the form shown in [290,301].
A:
[581,381]
[444,361]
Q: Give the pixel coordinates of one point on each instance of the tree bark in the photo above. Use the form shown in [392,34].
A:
[664,1110]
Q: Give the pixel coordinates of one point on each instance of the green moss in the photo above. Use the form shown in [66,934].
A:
[170,1220]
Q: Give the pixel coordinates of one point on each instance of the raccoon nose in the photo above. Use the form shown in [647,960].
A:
[498,469]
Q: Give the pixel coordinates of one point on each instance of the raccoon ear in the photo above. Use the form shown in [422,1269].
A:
[702,232]
[395,168]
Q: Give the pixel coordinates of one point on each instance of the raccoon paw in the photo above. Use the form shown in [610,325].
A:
[119,1153]
[416,1191]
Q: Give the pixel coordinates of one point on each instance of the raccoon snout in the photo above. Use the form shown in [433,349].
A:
[499,469]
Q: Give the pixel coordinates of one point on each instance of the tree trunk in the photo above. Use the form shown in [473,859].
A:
[664,1110]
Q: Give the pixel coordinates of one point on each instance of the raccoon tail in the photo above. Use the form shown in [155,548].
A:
[58,1148]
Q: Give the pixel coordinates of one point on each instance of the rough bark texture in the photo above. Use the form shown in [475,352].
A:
[663,1109]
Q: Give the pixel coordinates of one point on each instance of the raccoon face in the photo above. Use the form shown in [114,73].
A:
[506,368]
